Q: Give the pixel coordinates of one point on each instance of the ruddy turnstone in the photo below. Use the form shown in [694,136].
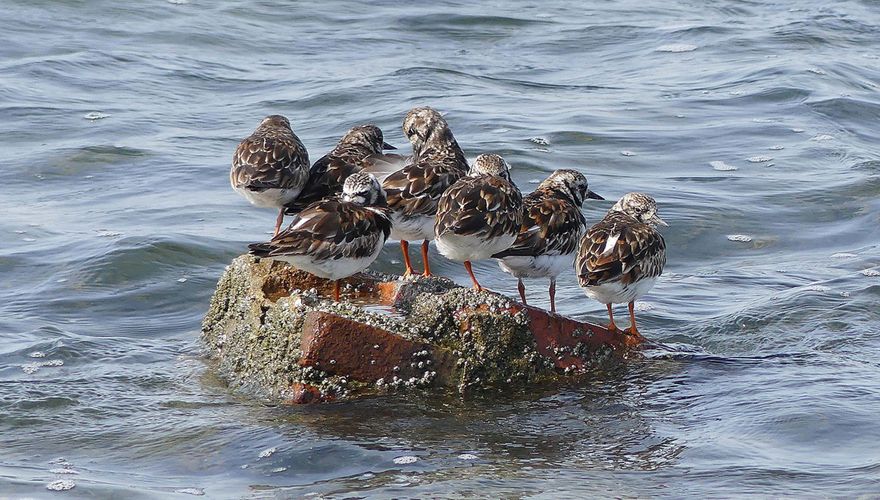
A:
[415,190]
[480,215]
[270,167]
[360,148]
[552,227]
[335,237]
[620,257]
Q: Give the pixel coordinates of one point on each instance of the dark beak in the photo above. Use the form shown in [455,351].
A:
[385,145]
[593,196]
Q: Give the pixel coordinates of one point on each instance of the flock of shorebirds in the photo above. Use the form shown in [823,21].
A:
[353,199]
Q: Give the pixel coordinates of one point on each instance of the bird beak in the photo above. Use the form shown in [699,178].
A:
[657,220]
[385,145]
[593,196]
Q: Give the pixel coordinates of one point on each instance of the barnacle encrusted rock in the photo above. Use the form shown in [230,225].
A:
[274,333]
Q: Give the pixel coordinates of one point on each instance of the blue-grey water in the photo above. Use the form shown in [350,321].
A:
[755,124]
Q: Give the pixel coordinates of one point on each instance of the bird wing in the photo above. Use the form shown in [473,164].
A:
[330,229]
[416,188]
[269,162]
[620,248]
[486,205]
[550,227]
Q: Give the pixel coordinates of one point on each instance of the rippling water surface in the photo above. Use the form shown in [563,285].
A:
[756,126]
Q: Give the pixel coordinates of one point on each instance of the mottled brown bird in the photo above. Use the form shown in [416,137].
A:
[270,167]
[335,237]
[551,230]
[415,190]
[480,215]
[361,148]
[620,258]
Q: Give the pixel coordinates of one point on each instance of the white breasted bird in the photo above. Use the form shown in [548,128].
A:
[620,257]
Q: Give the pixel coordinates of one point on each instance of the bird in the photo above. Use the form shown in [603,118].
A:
[415,190]
[336,237]
[551,230]
[480,215]
[270,167]
[621,256]
[361,148]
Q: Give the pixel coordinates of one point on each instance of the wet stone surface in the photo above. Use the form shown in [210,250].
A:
[274,333]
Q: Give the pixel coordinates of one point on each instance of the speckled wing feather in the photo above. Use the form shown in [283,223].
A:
[329,172]
[269,161]
[551,226]
[638,253]
[487,206]
[383,165]
[330,229]
[416,189]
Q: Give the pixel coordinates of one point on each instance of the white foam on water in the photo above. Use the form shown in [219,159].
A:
[181,280]
[818,288]
[406,459]
[64,471]
[822,138]
[191,491]
[722,166]
[268,452]
[61,485]
[534,181]
[95,115]
[467,456]
[37,354]
[798,130]
[677,47]
[540,141]
[644,306]
[776,147]
[872,273]
[759,159]
[843,255]
[817,71]
[744,238]
[627,153]
[279,469]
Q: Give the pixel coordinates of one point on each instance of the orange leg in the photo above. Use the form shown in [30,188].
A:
[467,265]
[611,326]
[632,319]
[278,222]
[425,259]
[404,247]
[336,290]
[553,295]
[522,291]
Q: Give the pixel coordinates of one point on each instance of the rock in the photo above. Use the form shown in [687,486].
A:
[275,333]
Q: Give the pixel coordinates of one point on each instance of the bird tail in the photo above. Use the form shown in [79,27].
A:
[260,249]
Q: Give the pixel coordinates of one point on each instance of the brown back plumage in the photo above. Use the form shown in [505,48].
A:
[552,225]
[485,205]
[272,157]
[639,252]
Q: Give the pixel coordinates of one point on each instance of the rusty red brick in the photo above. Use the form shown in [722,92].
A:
[305,393]
[552,331]
[342,346]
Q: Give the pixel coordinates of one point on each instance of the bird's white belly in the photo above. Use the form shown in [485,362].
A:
[333,269]
[461,248]
[617,293]
[412,228]
[541,266]
[269,198]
